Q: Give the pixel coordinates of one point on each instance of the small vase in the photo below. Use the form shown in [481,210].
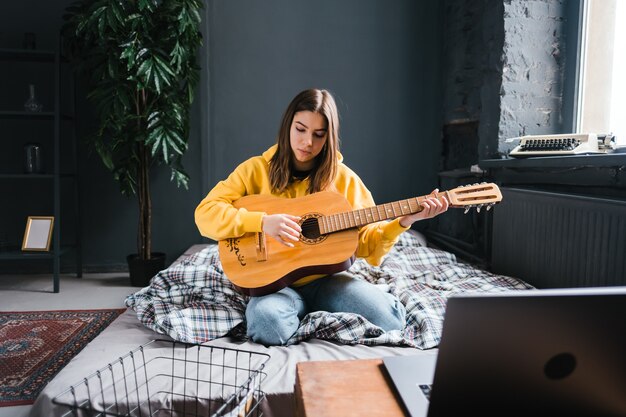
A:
[32,159]
[32,105]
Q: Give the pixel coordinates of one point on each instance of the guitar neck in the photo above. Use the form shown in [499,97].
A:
[357,218]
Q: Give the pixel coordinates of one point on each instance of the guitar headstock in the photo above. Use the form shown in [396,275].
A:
[475,195]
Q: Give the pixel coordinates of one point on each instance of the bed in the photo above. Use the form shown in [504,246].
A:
[192,302]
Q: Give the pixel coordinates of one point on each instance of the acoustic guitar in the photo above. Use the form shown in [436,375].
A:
[329,238]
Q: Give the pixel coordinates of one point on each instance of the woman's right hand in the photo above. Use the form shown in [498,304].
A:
[282,227]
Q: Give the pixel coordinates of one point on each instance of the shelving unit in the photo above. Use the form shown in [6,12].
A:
[56,175]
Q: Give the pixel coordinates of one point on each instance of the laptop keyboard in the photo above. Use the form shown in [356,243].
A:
[426,389]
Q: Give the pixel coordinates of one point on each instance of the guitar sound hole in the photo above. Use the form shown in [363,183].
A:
[310,229]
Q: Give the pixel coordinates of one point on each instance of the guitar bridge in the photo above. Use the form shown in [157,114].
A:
[261,247]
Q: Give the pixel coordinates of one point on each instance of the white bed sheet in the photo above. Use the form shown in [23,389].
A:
[126,333]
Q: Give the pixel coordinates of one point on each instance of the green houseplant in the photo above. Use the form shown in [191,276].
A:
[139,59]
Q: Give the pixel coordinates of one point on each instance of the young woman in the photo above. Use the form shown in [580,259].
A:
[305,160]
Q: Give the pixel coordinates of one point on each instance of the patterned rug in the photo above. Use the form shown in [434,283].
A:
[36,345]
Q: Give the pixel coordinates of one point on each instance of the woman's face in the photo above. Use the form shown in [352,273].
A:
[307,136]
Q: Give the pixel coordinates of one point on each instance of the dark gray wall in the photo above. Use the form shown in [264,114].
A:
[380,59]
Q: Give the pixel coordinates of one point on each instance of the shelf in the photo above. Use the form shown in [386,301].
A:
[26,115]
[606,160]
[34,176]
[49,115]
[16,254]
[31,55]
[27,176]
[53,119]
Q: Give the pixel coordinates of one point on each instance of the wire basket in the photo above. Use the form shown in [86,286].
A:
[174,379]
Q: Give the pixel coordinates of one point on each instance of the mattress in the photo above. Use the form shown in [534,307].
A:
[423,278]
[126,333]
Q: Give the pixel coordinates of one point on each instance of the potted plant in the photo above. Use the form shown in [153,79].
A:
[139,57]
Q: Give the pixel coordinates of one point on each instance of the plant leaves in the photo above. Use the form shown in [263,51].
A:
[140,58]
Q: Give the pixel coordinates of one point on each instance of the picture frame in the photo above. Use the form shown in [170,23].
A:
[38,233]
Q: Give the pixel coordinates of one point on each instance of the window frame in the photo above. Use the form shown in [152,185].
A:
[576,12]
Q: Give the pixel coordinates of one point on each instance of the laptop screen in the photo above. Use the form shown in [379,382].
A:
[531,353]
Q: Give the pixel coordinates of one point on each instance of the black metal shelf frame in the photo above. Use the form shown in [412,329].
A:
[56,116]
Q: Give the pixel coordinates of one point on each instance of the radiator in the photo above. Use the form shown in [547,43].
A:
[554,240]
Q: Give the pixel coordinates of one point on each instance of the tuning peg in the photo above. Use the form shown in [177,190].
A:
[489,206]
[467,209]
[478,207]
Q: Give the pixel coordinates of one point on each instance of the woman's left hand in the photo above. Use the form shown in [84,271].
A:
[432,207]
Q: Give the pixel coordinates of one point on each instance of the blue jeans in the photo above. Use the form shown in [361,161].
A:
[272,319]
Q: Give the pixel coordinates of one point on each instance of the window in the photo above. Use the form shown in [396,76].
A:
[601,103]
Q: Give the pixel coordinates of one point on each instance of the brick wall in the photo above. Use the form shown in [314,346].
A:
[505,64]
[474,34]
[533,69]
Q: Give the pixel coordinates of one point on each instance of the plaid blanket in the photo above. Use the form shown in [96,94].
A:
[193,302]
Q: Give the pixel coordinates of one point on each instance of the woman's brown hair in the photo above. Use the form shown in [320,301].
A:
[322,175]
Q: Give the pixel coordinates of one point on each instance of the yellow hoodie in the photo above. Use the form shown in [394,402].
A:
[217,219]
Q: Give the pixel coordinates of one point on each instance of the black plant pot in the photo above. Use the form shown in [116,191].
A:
[142,271]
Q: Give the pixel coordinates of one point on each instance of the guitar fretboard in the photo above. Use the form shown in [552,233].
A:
[358,218]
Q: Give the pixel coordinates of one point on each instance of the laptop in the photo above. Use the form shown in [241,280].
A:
[523,353]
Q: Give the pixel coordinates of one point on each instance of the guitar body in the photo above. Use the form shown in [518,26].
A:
[260,265]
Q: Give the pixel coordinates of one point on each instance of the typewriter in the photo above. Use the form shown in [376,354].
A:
[553,145]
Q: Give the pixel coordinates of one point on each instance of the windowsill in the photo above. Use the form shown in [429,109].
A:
[585,174]
[569,161]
